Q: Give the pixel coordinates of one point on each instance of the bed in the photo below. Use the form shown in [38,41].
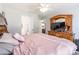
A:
[35,44]
[42,44]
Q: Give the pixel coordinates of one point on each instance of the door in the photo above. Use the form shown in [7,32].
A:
[27,25]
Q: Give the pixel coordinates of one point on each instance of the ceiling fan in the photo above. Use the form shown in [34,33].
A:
[43,7]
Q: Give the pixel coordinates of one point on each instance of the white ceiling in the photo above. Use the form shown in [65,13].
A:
[34,7]
[23,6]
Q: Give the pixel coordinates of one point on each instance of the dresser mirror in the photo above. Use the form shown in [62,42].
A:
[59,25]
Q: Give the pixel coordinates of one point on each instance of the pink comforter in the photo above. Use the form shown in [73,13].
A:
[42,44]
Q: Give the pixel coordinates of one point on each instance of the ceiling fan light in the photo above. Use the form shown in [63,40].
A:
[43,9]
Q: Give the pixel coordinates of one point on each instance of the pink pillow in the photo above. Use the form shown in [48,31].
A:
[18,37]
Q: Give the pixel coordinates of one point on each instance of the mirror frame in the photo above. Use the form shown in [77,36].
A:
[68,21]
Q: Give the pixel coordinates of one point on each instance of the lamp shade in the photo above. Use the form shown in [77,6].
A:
[3,20]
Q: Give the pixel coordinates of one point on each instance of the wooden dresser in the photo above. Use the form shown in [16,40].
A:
[68,24]
[65,35]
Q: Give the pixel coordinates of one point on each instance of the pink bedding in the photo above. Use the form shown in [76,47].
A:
[42,44]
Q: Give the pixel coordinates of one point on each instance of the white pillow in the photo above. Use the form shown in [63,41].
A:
[7,37]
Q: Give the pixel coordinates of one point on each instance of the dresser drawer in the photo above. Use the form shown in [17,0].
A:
[61,35]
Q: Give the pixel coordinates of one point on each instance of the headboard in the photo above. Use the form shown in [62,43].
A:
[61,26]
